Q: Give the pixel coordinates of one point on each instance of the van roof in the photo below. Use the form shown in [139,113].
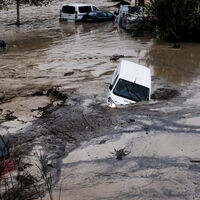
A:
[135,73]
[76,4]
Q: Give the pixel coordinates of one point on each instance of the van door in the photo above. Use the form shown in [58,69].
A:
[83,10]
[94,8]
[68,12]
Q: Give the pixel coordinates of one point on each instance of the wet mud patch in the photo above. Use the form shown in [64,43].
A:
[164,94]
[94,165]
[62,128]
[54,93]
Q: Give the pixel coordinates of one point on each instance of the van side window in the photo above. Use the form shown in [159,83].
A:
[95,8]
[68,9]
[85,9]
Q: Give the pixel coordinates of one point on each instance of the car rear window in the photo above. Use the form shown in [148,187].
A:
[109,14]
[68,9]
[103,14]
[85,9]
[91,14]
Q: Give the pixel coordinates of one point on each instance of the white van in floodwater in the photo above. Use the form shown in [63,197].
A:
[130,83]
[75,11]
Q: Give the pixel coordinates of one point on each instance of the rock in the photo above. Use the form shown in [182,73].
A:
[68,73]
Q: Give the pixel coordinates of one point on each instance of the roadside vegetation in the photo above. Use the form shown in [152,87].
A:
[22,183]
[176,20]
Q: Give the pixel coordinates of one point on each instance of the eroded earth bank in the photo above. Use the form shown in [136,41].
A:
[54,80]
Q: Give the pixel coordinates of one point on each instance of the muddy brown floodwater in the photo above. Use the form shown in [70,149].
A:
[81,135]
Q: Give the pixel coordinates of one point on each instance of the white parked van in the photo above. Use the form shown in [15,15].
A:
[130,83]
[75,11]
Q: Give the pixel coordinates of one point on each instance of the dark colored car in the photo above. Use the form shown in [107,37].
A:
[2,44]
[99,16]
[6,162]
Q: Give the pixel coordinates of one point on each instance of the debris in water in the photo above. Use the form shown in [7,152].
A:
[164,94]
[68,73]
[116,57]
[54,92]
[195,161]
[26,180]
[147,130]
[120,153]
[9,116]
[103,141]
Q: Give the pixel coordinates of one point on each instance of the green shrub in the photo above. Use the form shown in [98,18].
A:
[176,20]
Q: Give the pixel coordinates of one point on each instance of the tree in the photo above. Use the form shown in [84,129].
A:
[5,3]
[176,20]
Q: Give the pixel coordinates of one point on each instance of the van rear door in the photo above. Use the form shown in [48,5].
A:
[68,12]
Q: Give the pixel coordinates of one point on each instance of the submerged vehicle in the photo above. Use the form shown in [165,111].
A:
[2,44]
[6,162]
[129,17]
[75,11]
[130,83]
[99,16]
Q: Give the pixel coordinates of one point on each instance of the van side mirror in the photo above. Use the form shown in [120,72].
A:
[111,87]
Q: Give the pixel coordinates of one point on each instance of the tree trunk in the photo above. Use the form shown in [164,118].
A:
[18,20]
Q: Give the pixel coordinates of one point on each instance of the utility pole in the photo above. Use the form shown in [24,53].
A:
[18,20]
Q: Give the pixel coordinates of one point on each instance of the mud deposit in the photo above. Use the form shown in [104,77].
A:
[54,80]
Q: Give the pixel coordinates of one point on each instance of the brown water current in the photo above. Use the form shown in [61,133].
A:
[161,137]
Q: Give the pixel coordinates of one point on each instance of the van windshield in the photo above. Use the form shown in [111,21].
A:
[68,9]
[131,91]
[85,9]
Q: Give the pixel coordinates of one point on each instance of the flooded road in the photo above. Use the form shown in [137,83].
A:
[161,137]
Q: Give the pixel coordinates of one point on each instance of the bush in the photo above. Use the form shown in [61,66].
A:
[176,20]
